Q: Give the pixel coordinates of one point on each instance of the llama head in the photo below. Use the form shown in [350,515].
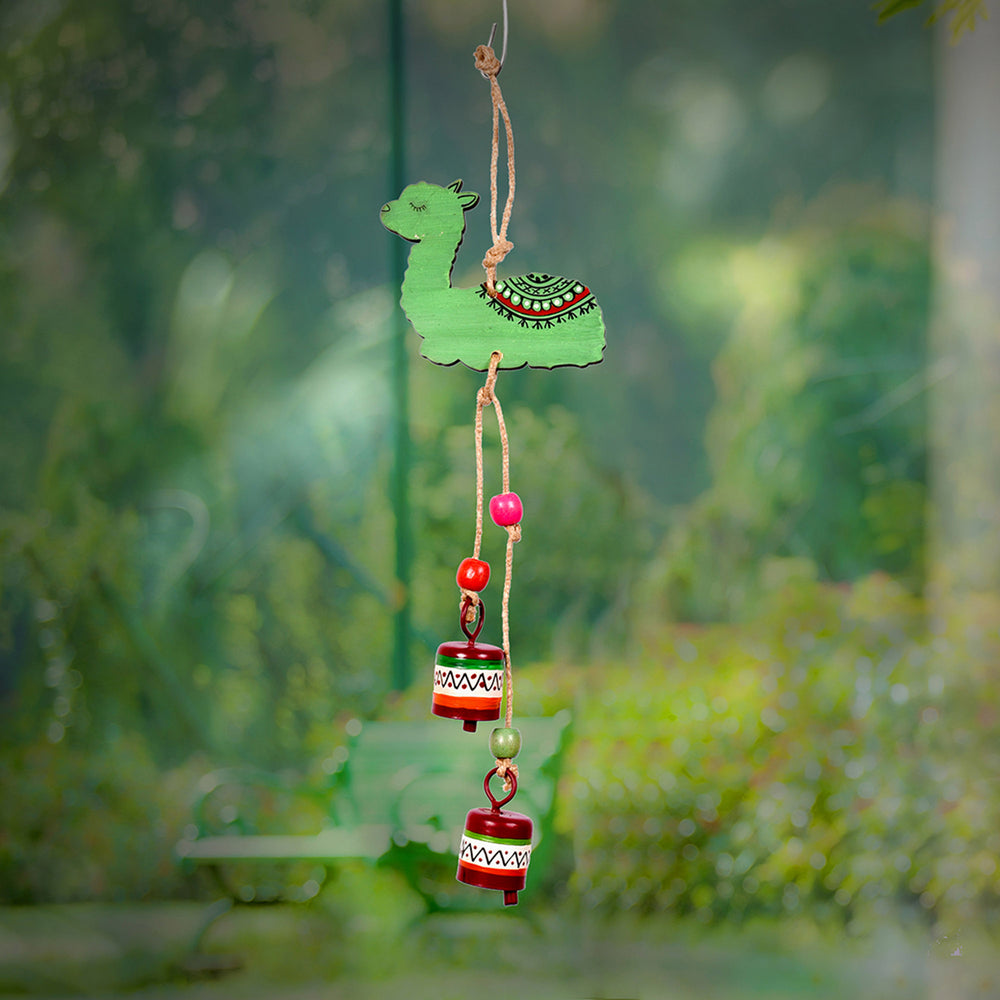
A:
[424,210]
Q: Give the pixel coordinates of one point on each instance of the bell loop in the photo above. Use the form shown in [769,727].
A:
[513,789]
[480,618]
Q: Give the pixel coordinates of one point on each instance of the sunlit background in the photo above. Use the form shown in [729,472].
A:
[760,565]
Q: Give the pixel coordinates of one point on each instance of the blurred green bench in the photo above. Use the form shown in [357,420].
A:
[397,795]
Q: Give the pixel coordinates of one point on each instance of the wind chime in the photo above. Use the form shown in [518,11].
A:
[538,320]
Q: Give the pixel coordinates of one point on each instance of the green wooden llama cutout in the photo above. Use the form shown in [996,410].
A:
[535,319]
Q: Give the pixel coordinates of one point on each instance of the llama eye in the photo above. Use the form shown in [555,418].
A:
[418,208]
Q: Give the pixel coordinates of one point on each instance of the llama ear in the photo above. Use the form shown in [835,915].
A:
[455,186]
[468,200]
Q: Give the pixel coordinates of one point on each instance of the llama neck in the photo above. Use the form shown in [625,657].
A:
[429,267]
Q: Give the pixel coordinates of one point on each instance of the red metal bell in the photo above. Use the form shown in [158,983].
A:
[496,846]
[468,677]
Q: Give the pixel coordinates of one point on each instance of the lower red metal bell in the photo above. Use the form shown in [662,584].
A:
[496,846]
[468,677]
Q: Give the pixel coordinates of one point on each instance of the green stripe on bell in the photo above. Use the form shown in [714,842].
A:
[473,835]
[466,663]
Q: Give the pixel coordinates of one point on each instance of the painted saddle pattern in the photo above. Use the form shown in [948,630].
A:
[540,301]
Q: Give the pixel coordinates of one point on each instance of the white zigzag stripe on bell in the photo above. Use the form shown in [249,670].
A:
[484,683]
[490,854]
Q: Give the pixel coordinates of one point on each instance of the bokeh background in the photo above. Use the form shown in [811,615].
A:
[760,560]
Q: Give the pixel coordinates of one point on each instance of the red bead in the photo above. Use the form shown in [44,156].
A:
[505,509]
[473,574]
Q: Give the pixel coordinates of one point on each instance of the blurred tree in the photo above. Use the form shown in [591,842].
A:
[170,248]
[817,440]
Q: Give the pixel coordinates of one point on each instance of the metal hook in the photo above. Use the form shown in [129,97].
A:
[493,31]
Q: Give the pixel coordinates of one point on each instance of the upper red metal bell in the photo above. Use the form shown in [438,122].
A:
[496,846]
[468,678]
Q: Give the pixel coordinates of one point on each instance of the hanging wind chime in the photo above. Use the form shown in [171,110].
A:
[538,320]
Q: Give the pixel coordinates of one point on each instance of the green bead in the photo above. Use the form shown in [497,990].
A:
[505,743]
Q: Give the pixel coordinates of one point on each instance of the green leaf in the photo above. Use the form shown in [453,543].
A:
[889,8]
[965,13]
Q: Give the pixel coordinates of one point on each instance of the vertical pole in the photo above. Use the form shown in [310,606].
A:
[965,342]
[400,487]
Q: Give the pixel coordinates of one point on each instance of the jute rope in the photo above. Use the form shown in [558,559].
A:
[486,396]
[488,64]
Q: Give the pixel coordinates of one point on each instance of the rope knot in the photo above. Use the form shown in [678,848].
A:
[486,397]
[506,767]
[470,612]
[497,252]
[486,61]
[514,530]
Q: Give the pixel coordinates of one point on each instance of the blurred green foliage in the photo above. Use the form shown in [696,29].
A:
[91,826]
[829,760]
[178,382]
[817,440]
[826,762]
[585,536]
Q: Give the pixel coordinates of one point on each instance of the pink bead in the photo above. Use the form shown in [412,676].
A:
[505,509]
